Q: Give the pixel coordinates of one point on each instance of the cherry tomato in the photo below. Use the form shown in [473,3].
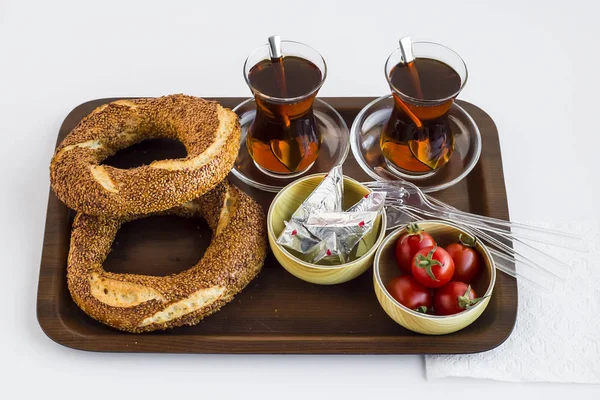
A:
[409,243]
[467,261]
[410,293]
[432,267]
[453,298]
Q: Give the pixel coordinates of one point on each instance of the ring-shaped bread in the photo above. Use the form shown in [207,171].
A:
[209,132]
[139,303]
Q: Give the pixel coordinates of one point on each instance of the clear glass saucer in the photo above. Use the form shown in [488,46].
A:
[364,140]
[334,147]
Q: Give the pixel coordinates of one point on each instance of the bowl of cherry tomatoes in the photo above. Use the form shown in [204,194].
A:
[433,277]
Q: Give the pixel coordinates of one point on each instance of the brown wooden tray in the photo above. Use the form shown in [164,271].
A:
[276,313]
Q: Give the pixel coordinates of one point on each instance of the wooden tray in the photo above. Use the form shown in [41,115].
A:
[276,313]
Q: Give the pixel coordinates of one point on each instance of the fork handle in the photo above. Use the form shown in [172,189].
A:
[545,284]
[527,232]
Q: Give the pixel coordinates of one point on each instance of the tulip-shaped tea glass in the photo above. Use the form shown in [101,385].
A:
[417,139]
[284,139]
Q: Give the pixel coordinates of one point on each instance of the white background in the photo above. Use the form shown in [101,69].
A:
[533,66]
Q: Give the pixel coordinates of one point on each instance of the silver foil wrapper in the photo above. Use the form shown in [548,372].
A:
[296,237]
[326,251]
[319,231]
[373,201]
[326,197]
[349,228]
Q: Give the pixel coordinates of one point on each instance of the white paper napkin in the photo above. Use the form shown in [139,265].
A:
[556,336]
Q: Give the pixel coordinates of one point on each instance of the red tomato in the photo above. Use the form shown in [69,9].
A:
[453,298]
[467,261]
[432,267]
[409,243]
[410,293]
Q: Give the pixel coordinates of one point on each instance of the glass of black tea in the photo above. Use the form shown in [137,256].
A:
[284,139]
[417,140]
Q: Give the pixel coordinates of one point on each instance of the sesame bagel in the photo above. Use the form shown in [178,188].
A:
[139,303]
[209,132]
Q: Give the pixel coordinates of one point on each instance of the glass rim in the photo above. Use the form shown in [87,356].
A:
[284,99]
[424,101]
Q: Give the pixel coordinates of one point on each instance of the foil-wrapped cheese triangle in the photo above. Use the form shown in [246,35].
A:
[326,197]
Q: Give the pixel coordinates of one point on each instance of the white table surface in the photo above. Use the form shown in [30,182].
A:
[534,67]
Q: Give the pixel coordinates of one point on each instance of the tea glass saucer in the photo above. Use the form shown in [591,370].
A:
[364,140]
[334,147]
